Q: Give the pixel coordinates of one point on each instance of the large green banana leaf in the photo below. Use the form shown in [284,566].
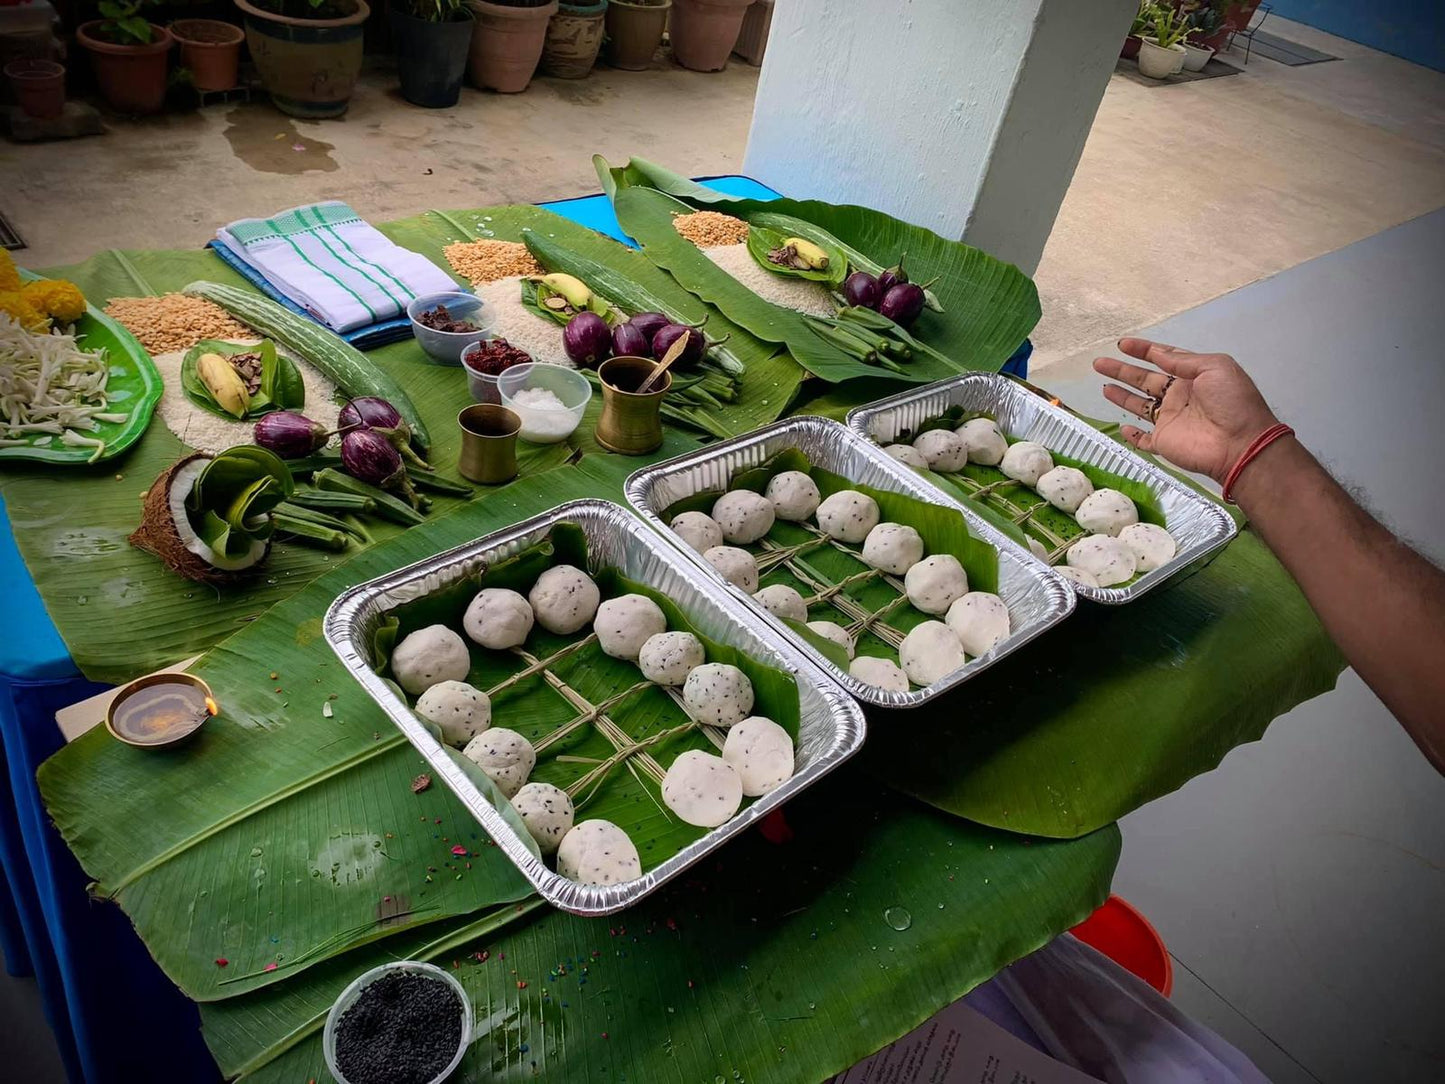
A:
[777,962]
[989,306]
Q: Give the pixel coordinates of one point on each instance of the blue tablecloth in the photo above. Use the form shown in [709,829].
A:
[103,995]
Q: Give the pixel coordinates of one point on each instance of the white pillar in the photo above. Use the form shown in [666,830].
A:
[965,116]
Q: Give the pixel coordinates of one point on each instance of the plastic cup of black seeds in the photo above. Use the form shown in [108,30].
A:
[401,1023]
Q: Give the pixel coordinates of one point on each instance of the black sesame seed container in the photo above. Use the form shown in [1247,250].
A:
[831,727]
[375,1048]
[1199,526]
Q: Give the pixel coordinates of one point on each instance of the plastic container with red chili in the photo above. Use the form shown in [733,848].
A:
[485,361]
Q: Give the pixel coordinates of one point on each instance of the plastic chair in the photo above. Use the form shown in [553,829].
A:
[1256,20]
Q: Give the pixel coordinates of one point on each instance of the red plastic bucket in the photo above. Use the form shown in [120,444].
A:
[1120,932]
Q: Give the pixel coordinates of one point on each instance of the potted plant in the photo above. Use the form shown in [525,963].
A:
[1140,26]
[574,36]
[507,42]
[433,38]
[634,31]
[308,52]
[1161,51]
[1204,20]
[704,32]
[39,86]
[210,51]
[128,54]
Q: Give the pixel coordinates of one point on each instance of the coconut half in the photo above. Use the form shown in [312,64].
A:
[165,529]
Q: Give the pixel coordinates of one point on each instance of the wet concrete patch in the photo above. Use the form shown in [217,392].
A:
[269,142]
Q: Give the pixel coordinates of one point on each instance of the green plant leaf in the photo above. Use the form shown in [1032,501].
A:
[762,240]
[281,385]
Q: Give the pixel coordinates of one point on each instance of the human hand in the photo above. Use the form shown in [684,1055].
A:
[1205,408]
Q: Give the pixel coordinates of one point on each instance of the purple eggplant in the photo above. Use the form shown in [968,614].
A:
[894,276]
[649,323]
[587,340]
[628,340]
[290,435]
[668,335]
[369,457]
[373,412]
[861,288]
[903,303]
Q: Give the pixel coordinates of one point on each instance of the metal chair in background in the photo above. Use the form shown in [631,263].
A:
[1256,20]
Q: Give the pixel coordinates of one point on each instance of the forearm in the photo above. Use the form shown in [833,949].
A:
[1380,601]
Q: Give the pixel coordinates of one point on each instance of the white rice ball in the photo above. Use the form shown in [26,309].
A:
[835,632]
[780,600]
[702,789]
[597,852]
[429,656]
[893,547]
[506,757]
[986,444]
[1153,546]
[979,620]
[1107,559]
[1077,575]
[880,673]
[1038,550]
[718,694]
[461,710]
[1065,488]
[1106,511]
[498,619]
[935,582]
[908,455]
[625,623]
[942,450]
[929,652]
[744,516]
[1027,462]
[547,812]
[734,565]
[794,495]
[669,657]
[848,515]
[698,529]
[761,752]
[564,599]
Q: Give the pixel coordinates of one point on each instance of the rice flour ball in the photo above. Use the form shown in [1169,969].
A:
[908,455]
[1106,511]
[504,755]
[702,789]
[625,623]
[718,694]
[986,445]
[734,565]
[881,673]
[547,812]
[1153,546]
[942,450]
[794,495]
[761,752]
[935,582]
[848,515]
[1026,462]
[829,630]
[460,710]
[1077,575]
[597,852]
[780,600]
[498,619]
[893,547]
[979,620]
[1107,559]
[744,516]
[564,599]
[698,529]
[429,656]
[668,657]
[929,652]
[1065,488]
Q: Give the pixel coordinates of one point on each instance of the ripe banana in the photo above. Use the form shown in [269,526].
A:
[224,384]
[569,287]
[810,253]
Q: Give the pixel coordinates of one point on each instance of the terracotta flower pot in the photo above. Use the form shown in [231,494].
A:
[506,44]
[132,78]
[431,57]
[634,31]
[39,87]
[1131,47]
[574,37]
[211,50]
[308,66]
[705,31]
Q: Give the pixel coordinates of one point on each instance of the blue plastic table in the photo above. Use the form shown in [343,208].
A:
[103,994]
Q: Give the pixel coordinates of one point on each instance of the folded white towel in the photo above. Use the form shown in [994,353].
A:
[334,264]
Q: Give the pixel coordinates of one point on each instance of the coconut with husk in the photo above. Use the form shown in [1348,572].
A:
[208,518]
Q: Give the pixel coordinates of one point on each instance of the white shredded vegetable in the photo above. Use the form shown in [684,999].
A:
[48,385]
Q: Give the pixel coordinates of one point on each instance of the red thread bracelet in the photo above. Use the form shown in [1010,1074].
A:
[1259,444]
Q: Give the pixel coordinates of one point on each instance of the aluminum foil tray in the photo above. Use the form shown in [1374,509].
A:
[1036,598]
[831,726]
[1199,526]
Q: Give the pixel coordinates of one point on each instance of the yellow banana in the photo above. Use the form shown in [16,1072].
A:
[224,384]
[810,253]
[570,287]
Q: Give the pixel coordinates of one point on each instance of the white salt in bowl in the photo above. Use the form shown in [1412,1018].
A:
[545,424]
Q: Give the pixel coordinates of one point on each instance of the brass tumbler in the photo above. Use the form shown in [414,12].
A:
[630,423]
[489,443]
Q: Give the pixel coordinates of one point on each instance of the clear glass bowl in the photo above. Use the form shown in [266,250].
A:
[446,347]
[543,425]
[352,992]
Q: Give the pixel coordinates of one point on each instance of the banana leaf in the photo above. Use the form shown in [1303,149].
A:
[989,306]
[780,961]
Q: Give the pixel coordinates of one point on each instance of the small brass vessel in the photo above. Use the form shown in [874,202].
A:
[159,710]
[489,443]
[631,424]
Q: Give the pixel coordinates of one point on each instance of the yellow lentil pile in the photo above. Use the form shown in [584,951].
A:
[488,261]
[174,321]
[708,229]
